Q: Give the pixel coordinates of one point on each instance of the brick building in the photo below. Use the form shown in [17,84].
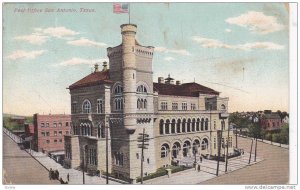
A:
[271,121]
[182,120]
[29,129]
[49,131]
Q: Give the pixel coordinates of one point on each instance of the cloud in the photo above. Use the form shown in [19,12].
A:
[256,22]
[58,32]
[80,61]
[176,51]
[169,59]
[86,42]
[227,30]
[25,54]
[33,38]
[213,43]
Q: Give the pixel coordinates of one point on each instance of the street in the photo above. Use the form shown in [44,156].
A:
[20,168]
[273,169]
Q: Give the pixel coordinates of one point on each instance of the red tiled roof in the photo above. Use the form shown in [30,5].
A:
[93,79]
[185,89]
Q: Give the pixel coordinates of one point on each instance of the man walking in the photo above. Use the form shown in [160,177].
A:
[50,174]
[68,177]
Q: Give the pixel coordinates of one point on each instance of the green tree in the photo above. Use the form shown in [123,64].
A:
[284,134]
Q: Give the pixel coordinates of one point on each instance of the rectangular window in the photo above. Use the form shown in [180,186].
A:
[47,124]
[193,106]
[43,134]
[184,106]
[60,133]
[54,125]
[215,144]
[55,140]
[119,159]
[47,134]
[60,140]
[60,125]
[164,105]
[47,141]
[55,133]
[42,124]
[174,106]
[67,124]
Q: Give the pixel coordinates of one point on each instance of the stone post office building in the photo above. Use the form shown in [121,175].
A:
[181,119]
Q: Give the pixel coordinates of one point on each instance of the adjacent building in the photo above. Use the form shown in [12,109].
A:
[182,120]
[49,131]
[271,121]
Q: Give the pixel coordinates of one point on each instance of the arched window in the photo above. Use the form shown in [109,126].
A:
[173,126]
[118,89]
[178,126]
[189,125]
[86,106]
[142,104]
[223,125]
[198,125]
[167,126]
[164,150]
[141,89]
[175,150]
[138,104]
[183,125]
[202,124]
[161,127]
[193,124]
[145,104]
[206,124]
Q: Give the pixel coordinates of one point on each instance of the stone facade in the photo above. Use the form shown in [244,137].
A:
[121,102]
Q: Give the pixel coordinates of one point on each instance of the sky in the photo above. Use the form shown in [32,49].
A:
[238,49]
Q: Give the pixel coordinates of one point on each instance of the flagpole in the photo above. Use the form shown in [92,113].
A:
[129,12]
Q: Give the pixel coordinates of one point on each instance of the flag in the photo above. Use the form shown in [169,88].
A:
[121,8]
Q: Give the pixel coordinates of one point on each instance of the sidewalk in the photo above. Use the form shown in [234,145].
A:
[267,142]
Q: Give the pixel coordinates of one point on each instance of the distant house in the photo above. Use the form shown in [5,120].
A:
[271,121]
[18,119]
[285,119]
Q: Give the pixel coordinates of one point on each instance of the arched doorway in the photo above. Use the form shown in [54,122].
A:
[196,145]
[204,145]
[186,147]
[175,150]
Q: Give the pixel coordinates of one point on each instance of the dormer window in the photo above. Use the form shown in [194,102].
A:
[141,89]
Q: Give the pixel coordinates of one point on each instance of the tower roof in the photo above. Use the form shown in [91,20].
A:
[94,78]
[186,89]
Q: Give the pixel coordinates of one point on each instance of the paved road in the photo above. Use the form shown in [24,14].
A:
[20,168]
[274,169]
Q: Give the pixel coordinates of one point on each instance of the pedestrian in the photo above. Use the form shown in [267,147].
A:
[50,174]
[61,181]
[200,159]
[68,177]
[199,168]
[56,174]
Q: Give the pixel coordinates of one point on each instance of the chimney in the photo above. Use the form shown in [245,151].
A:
[96,67]
[161,80]
[178,82]
[104,66]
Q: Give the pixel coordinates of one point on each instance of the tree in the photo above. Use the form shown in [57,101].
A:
[284,134]
[276,137]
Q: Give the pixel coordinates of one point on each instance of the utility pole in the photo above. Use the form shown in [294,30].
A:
[219,150]
[226,164]
[143,138]
[106,144]
[83,160]
[236,143]
[255,150]
[250,152]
